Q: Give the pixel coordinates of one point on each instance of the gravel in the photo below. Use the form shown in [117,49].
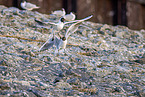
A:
[100,60]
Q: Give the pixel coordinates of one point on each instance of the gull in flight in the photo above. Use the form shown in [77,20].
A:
[28,6]
[57,26]
[73,28]
[62,42]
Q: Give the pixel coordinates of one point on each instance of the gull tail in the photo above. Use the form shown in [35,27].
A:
[37,7]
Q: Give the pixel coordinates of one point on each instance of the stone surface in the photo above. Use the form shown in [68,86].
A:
[101,60]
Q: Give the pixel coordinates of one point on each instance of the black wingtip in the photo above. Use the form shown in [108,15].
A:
[38,21]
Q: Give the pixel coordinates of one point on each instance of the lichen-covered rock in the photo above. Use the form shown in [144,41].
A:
[100,60]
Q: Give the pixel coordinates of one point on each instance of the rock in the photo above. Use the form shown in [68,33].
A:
[4,86]
[3,63]
[26,83]
[120,34]
[63,85]
[57,80]
[100,59]
[73,81]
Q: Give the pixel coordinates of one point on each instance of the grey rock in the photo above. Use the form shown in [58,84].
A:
[101,60]
[73,81]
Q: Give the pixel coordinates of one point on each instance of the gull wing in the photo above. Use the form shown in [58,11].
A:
[75,26]
[79,20]
[42,23]
[50,23]
[71,22]
[39,22]
[47,46]
[57,42]
[30,5]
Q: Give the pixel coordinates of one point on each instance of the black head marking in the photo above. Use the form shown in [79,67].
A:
[63,38]
[52,39]
[23,0]
[62,19]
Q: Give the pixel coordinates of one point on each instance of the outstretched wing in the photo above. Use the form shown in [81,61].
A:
[39,22]
[78,20]
[75,26]
[47,46]
[42,23]
[71,22]
[50,23]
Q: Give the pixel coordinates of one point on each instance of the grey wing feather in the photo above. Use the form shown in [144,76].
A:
[75,26]
[73,29]
[86,18]
[39,22]
[47,46]
[42,23]
[30,5]
[57,42]
[71,21]
[50,23]
[79,20]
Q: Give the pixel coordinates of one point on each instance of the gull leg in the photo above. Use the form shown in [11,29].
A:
[65,52]
[56,52]
[59,35]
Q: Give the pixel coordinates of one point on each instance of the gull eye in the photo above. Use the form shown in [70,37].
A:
[63,38]
[62,19]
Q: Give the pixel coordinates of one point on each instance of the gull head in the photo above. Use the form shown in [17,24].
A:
[23,1]
[62,19]
[63,38]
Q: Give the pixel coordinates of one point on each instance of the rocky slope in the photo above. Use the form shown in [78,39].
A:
[101,60]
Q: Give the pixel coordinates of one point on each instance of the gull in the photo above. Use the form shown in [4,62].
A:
[59,12]
[70,17]
[62,41]
[59,25]
[73,28]
[50,42]
[28,6]
[55,26]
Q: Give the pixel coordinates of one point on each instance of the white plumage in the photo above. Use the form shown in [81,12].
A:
[55,26]
[28,6]
[58,25]
[70,17]
[59,12]
[62,42]
[73,28]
